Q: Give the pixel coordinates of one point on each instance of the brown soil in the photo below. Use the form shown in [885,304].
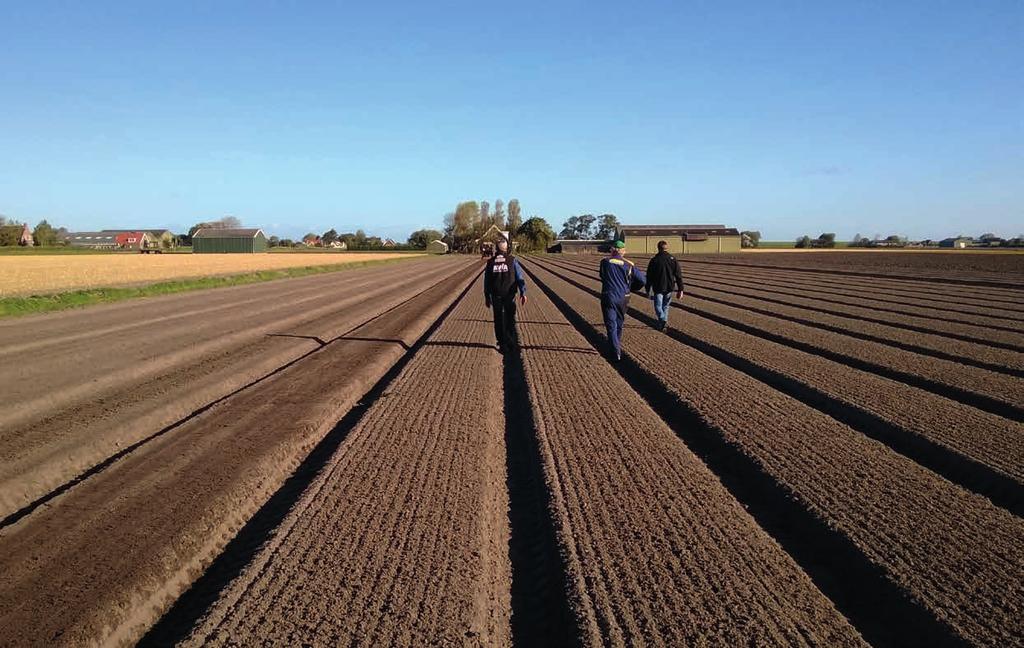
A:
[347,460]
[883,307]
[983,268]
[403,539]
[939,301]
[980,436]
[101,562]
[951,550]
[138,370]
[657,550]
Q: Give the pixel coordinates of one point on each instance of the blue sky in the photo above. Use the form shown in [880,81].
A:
[788,117]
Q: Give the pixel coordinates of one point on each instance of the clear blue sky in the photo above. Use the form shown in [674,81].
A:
[788,117]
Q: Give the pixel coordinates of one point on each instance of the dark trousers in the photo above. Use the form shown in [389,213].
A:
[505,320]
[614,313]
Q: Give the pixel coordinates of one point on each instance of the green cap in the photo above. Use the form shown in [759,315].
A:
[620,245]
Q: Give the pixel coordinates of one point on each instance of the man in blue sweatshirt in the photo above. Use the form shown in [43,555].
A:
[502,278]
[618,278]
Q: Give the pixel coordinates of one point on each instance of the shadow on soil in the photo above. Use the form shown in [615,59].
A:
[980,401]
[541,615]
[860,590]
[1001,489]
[179,621]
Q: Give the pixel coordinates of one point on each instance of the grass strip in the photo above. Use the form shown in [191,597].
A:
[31,304]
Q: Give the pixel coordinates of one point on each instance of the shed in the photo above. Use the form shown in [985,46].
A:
[959,243]
[437,247]
[681,239]
[220,241]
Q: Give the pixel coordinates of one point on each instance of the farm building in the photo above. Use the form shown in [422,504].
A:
[437,247]
[134,240]
[580,246]
[681,239]
[956,243]
[161,238]
[97,240]
[243,240]
[15,235]
[490,238]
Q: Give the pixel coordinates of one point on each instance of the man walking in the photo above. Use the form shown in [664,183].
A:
[502,278]
[618,277]
[663,276]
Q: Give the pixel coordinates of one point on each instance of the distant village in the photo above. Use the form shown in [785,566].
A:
[225,235]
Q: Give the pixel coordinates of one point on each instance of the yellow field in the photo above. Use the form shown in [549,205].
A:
[26,275]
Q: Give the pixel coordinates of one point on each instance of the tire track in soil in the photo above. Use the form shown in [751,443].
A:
[657,552]
[977,450]
[29,485]
[917,536]
[102,562]
[402,538]
[992,392]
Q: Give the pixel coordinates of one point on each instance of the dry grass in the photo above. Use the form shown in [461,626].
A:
[30,275]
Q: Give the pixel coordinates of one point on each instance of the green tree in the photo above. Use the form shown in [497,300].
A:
[578,227]
[44,234]
[534,235]
[607,227]
[465,224]
[420,238]
[515,218]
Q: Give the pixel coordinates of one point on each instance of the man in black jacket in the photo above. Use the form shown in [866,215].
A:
[503,277]
[663,276]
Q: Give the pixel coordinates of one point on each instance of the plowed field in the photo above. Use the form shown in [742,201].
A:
[820,450]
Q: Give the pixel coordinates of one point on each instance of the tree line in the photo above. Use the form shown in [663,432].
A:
[588,227]
[43,234]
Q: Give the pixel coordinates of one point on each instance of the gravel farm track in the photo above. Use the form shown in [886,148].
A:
[823,449]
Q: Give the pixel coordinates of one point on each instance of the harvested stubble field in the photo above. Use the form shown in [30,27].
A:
[39,274]
[787,465]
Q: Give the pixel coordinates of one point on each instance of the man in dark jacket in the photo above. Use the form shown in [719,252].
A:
[663,277]
[618,278]
[502,278]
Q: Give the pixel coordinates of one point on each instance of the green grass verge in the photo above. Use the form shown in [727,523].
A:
[30,304]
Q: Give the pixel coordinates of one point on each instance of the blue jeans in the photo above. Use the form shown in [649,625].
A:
[662,301]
